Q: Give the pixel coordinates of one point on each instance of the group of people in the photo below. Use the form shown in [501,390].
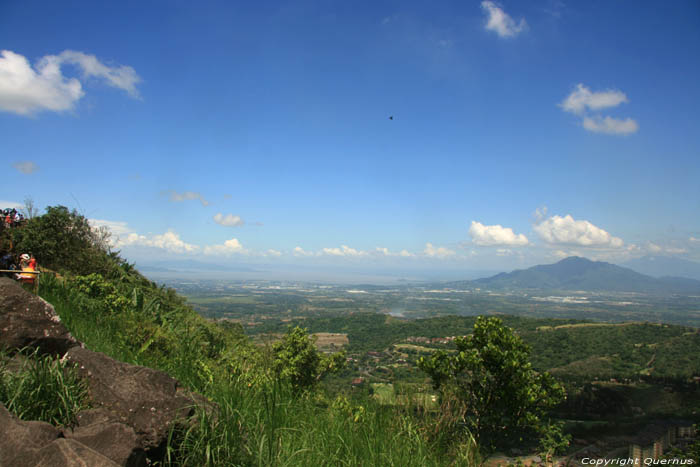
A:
[25,271]
[12,217]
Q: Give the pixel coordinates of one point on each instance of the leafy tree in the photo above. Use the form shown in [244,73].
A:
[297,360]
[490,383]
[64,240]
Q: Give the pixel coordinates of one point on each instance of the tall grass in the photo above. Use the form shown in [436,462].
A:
[261,421]
[43,388]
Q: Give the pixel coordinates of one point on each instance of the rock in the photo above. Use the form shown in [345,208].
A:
[147,400]
[101,432]
[28,321]
[17,436]
[62,453]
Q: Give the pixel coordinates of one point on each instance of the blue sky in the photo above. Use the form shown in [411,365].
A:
[522,132]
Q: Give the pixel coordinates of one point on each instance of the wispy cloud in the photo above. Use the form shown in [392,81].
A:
[500,22]
[582,100]
[609,125]
[26,167]
[229,220]
[176,197]
[25,90]
[490,235]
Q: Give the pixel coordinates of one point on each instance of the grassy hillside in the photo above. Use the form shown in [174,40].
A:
[269,410]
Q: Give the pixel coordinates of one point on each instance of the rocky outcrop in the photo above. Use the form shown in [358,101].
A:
[40,444]
[28,321]
[133,408]
[147,400]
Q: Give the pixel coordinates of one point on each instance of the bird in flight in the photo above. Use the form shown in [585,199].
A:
[391,117]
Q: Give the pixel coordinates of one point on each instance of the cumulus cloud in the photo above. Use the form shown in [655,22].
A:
[272,252]
[25,90]
[565,230]
[344,250]
[609,125]
[500,22]
[582,100]
[26,167]
[437,252]
[228,247]
[383,251]
[186,196]
[229,220]
[299,251]
[490,235]
[169,241]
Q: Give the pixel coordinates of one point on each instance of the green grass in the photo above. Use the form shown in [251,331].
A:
[43,388]
[255,419]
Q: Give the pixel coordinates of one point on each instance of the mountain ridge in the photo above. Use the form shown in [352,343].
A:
[576,273]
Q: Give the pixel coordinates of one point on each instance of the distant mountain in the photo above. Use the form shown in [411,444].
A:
[575,273]
[659,266]
[186,265]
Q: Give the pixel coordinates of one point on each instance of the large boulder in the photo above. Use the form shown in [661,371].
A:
[147,400]
[28,444]
[29,321]
[99,430]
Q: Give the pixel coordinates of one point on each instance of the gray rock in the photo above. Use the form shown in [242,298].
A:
[101,432]
[147,400]
[62,453]
[18,437]
[28,321]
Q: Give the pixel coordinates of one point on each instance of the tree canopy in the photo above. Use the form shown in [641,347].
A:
[491,384]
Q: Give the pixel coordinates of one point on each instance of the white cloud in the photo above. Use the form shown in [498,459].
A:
[25,90]
[299,251]
[116,227]
[272,252]
[609,125]
[672,250]
[229,220]
[121,77]
[565,230]
[439,252]
[169,241]
[693,239]
[489,235]
[582,98]
[383,251]
[344,250]
[499,21]
[26,167]
[186,196]
[227,248]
